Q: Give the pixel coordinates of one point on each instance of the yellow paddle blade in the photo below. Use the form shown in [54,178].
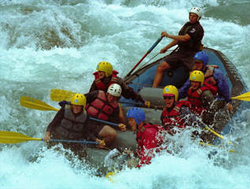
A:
[207,144]
[60,95]
[32,103]
[8,137]
[110,174]
[244,97]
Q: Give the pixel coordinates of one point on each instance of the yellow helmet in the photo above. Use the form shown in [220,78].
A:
[105,67]
[79,99]
[197,75]
[170,90]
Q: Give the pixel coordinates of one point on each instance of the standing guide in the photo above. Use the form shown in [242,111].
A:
[188,41]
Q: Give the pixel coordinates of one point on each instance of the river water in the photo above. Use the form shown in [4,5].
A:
[48,44]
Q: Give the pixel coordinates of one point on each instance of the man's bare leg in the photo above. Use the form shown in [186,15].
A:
[108,134]
[159,73]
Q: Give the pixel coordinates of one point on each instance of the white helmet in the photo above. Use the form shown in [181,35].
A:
[115,90]
[197,11]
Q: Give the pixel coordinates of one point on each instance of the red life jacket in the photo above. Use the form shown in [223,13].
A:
[102,86]
[210,82]
[172,119]
[100,108]
[194,97]
[148,138]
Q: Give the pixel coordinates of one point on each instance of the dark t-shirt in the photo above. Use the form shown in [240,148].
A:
[184,53]
[196,32]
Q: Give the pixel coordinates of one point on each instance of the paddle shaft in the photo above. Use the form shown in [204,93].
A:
[123,161]
[207,144]
[10,137]
[36,104]
[67,94]
[110,174]
[151,48]
[106,122]
[142,105]
[215,133]
[84,142]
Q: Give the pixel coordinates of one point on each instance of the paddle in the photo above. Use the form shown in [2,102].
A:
[60,95]
[207,144]
[212,131]
[244,97]
[9,137]
[151,48]
[32,103]
[110,174]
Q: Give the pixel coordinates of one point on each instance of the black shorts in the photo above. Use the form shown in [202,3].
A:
[181,59]
[98,128]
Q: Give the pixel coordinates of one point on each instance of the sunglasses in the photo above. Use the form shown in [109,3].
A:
[198,61]
[168,97]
